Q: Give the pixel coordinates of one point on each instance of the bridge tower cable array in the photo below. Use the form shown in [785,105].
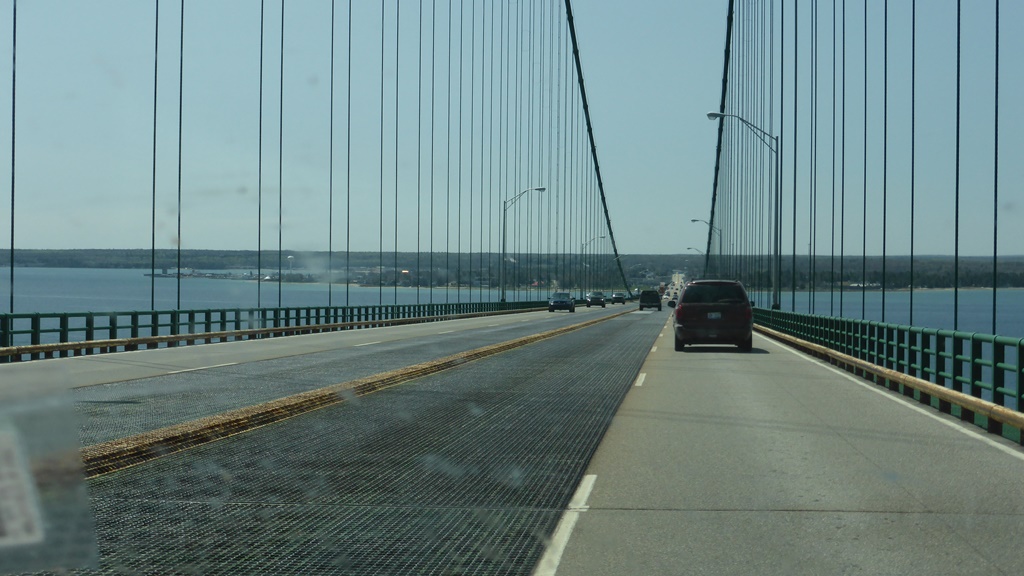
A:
[429,155]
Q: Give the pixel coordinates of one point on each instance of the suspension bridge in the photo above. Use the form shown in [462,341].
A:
[380,387]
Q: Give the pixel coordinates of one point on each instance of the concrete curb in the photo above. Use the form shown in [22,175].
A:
[122,453]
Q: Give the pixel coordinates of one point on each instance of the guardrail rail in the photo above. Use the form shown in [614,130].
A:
[46,335]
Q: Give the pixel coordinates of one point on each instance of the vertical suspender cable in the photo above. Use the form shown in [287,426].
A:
[885,148]
[913,143]
[448,171]
[458,203]
[181,81]
[842,181]
[280,166]
[330,177]
[796,149]
[813,208]
[348,163]
[433,107]
[14,98]
[995,180]
[489,190]
[864,198]
[259,175]
[956,198]
[380,217]
[419,150]
[398,35]
[152,216]
[472,128]
[832,260]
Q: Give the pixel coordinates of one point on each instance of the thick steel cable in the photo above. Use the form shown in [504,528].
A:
[259,172]
[398,35]
[842,182]
[14,99]
[330,177]
[181,82]
[380,153]
[956,199]
[490,157]
[832,259]
[518,177]
[913,140]
[152,216]
[995,178]
[448,170]
[348,163]
[721,134]
[885,150]
[419,152]
[593,144]
[813,243]
[796,134]
[458,201]
[864,197]
[472,112]
[433,108]
[280,167]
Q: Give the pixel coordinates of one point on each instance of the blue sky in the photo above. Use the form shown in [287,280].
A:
[653,69]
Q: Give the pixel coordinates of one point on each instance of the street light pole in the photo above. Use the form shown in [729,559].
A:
[504,231]
[718,261]
[583,247]
[774,145]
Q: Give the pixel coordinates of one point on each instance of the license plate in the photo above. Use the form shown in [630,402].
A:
[714,315]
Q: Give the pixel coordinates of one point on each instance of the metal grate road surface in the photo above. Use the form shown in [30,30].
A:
[463,472]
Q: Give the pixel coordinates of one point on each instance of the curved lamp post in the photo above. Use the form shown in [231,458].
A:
[504,231]
[772,142]
[583,247]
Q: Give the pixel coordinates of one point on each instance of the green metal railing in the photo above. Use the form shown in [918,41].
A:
[985,366]
[34,336]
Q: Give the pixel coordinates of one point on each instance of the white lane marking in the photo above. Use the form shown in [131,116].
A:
[903,402]
[548,564]
[446,332]
[493,325]
[366,344]
[640,379]
[202,368]
[654,349]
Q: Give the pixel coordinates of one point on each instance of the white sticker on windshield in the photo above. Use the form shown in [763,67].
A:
[20,515]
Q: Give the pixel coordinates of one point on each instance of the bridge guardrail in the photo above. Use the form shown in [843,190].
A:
[985,366]
[44,335]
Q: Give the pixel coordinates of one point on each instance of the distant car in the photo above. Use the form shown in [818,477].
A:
[714,312]
[561,301]
[595,299]
[618,297]
[650,299]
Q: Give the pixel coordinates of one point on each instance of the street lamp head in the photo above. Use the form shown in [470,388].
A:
[540,189]
[715,115]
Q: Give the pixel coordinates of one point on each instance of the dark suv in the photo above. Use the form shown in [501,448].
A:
[650,299]
[595,299]
[561,301]
[714,312]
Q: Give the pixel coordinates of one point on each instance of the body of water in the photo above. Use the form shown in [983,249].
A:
[932,308]
[105,290]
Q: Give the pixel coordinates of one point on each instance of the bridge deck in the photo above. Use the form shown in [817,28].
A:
[775,463]
[717,462]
